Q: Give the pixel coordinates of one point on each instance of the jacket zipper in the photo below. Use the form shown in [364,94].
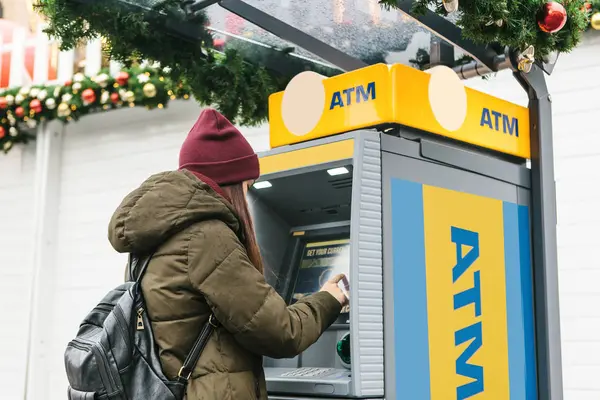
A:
[139,325]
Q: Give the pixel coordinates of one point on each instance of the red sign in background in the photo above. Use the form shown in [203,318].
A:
[7,29]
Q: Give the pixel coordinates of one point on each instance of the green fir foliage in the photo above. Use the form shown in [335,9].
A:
[519,28]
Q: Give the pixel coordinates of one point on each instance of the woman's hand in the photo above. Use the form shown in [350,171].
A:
[331,286]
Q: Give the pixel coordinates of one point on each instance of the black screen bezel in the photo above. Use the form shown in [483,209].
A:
[296,248]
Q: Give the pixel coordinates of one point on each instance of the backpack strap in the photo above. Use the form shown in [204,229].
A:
[134,265]
[185,372]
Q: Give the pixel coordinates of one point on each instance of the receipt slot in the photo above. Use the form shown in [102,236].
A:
[433,229]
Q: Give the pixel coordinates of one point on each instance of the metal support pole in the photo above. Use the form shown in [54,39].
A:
[441,53]
[293,35]
[545,266]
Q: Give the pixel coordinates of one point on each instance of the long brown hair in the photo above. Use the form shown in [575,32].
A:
[236,196]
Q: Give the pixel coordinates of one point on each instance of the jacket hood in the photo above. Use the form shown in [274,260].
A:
[163,205]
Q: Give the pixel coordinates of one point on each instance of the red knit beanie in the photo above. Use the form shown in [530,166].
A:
[216,149]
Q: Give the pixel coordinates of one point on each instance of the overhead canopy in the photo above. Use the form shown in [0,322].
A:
[358,32]
[359,28]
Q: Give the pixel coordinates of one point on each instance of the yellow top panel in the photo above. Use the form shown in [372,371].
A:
[314,155]
[399,94]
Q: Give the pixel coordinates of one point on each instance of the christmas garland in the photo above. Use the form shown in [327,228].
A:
[22,109]
[547,26]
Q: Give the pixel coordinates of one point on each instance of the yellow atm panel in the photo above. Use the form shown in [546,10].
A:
[382,95]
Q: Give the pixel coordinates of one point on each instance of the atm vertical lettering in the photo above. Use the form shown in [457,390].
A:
[472,333]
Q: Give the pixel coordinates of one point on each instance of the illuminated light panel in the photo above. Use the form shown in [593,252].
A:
[338,171]
[262,185]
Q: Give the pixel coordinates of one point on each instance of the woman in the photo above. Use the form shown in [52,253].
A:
[207,260]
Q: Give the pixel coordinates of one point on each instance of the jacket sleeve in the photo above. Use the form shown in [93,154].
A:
[248,307]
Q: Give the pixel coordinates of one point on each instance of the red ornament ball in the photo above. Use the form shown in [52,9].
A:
[122,78]
[2,132]
[3,103]
[88,95]
[35,105]
[68,83]
[114,97]
[552,17]
[19,111]
[219,43]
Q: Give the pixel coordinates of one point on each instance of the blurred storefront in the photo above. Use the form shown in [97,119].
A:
[20,12]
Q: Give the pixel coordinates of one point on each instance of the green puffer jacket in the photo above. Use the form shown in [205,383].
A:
[201,265]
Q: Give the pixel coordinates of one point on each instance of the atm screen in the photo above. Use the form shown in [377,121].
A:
[319,262]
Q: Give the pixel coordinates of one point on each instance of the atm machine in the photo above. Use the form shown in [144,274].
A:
[304,239]
[428,212]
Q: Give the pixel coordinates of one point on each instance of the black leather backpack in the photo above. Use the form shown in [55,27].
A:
[114,356]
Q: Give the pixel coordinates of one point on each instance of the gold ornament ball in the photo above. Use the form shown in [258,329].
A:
[130,96]
[595,21]
[149,90]
[63,110]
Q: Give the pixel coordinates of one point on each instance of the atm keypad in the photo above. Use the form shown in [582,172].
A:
[307,372]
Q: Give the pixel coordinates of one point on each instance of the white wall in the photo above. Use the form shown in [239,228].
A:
[16,229]
[576,111]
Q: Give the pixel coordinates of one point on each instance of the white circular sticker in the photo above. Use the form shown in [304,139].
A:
[447,97]
[303,103]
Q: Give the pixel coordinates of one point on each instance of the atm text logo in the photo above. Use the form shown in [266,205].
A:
[352,95]
[472,333]
[498,121]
